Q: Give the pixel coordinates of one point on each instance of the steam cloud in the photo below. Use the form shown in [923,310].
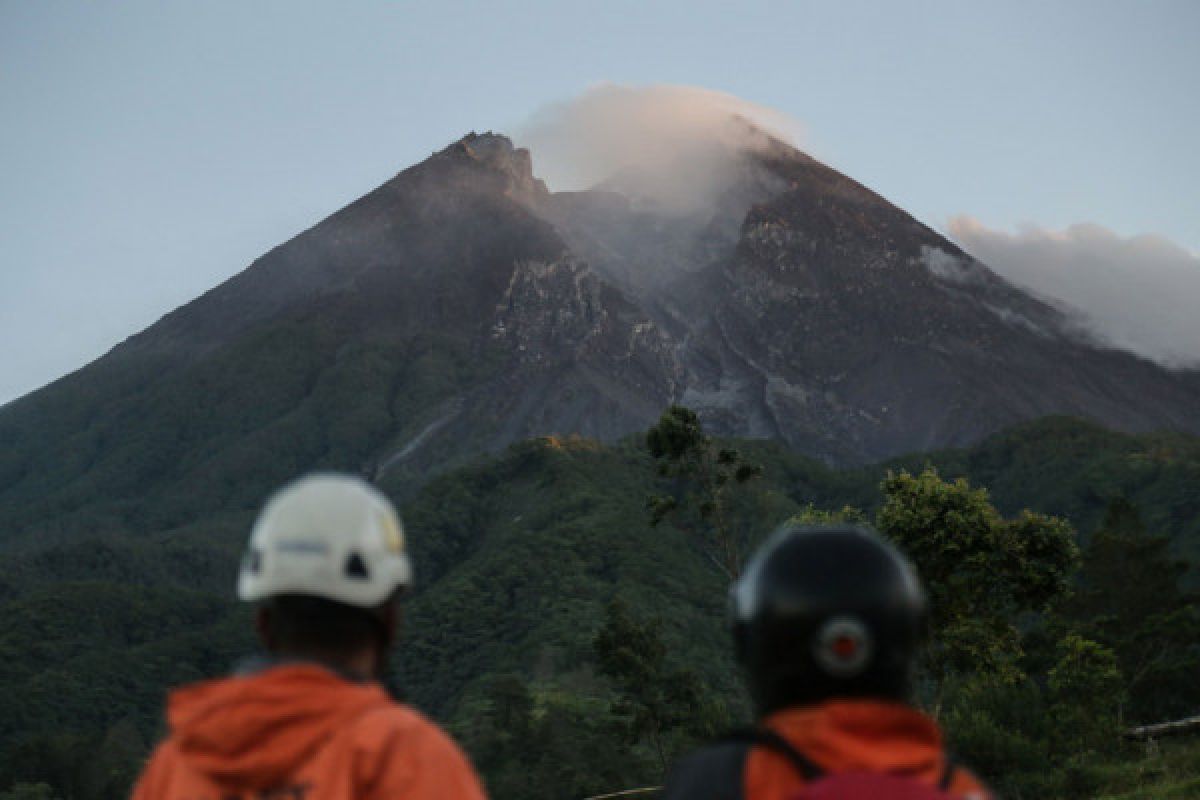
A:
[1140,293]
[650,136]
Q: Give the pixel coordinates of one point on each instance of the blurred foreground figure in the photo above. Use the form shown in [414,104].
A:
[326,564]
[826,623]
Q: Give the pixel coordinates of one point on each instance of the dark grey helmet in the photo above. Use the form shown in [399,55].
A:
[824,612]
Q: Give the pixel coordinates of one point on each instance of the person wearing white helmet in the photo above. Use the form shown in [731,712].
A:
[326,565]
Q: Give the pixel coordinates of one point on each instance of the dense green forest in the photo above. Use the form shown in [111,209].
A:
[569,625]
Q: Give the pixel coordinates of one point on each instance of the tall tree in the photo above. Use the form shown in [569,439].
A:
[1085,688]
[981,570]
[548,747]
[705,475]
[1130,598]
[659,704]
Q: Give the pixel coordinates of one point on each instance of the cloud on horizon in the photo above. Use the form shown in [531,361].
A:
[1138,293]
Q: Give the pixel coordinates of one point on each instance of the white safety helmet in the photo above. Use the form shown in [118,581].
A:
[326,535]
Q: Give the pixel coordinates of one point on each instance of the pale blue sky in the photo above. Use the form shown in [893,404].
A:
[151,149]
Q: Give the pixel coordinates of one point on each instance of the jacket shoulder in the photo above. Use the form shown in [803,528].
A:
[154,779]
[398,751]
[711,773]
[966,785]
[398,724]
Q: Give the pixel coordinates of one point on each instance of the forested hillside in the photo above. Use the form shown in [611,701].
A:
[519,559]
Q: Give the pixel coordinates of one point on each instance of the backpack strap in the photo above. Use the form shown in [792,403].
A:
[712,773]
[948,773]
[771,740]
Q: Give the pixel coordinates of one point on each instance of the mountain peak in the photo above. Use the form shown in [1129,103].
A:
[496,152]
[460,306]
[752,139]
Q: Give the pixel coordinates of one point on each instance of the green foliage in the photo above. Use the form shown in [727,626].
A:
[1171,771]
[1070,468]
[176,440]
[705,474]
[811,515]
[1086,673]
[1056,733]
[71,765]
[519,555]
[29,791]
[548,747]
[1085,690]
[1000,728]
[1130,598]
[491,606]
[656,701]
[980,570]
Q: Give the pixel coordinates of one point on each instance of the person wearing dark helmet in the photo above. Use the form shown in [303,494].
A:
[326,566]
[826,625]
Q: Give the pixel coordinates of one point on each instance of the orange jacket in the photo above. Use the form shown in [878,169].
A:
[858,735]
[301,732]
[836,736]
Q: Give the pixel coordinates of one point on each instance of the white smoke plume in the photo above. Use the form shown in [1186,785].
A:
[1139,293]
[668,140]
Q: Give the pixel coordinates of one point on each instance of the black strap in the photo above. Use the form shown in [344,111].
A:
[948,773]
[713,773]
[773,741]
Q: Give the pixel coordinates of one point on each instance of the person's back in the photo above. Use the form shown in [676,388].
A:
[301,731]
[311,721]
[826,625]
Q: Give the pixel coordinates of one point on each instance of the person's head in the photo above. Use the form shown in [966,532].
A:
[326,566]
[827,612]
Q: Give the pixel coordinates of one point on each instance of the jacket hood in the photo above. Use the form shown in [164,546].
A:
[863,734]
[255,730]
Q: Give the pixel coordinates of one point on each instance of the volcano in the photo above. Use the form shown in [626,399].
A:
[462,306]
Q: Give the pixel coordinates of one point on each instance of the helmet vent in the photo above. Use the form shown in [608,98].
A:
[355,568]
[843,647]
